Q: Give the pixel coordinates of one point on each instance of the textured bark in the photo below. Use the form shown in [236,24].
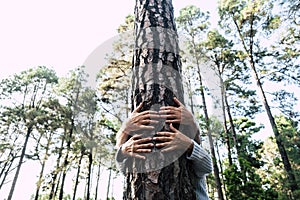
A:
[89,178]
[39,183]
[56,170]
[12,189]
[77,175]
[156,80]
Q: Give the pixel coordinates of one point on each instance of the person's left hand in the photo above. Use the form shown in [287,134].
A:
[173,140]
[178,114]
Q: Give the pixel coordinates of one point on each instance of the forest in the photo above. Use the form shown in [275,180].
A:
[242,83]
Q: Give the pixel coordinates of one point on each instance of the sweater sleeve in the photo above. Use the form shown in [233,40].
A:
[120,160]
[201,159]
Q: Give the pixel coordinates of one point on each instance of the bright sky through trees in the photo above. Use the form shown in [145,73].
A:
[61,35]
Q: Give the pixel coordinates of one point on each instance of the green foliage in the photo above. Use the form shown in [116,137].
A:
[242,178]
[61,111]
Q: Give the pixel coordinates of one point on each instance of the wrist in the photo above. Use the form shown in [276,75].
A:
[190,147]
[120,154]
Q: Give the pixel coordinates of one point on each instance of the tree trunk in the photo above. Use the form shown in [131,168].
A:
[250,53]
[64,173]
[6,168]
[282,151]
[156,80]
[38,184]
[208,129]
[29,130]
[231,123]
[108,184]
[226,131]
[66,160]
[221,168]
[88,191]
[56,171]
[77,176]
[98,178]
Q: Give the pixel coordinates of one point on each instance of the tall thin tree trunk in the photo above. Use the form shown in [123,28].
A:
[64,174]
[89,179]
[221,169]
[39,183]
[98,178]
[108,184]
[6,169]
[57,185]
[56,170]
[11,192]
[77,175]
[226,131]
[156,80]
[282,151]
[228,110]
[250,53]
[212,149]
[207,127]
[66,160]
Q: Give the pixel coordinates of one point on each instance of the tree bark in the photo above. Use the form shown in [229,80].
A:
[11,192]
[156,80]
[66,162]
[89,179]
[77,175]
[98,177]
[56,170]
[39,183]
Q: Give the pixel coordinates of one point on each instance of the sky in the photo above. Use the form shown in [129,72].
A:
[60,34]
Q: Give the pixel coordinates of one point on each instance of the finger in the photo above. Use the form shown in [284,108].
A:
[143,140]
[150,116]
[164,133]
[162,139]
[171,115]
[162,145]
[167,108]
[135,155]
[149,121]
[173,128]
[167,149]
[146,127]
[177,102]
[139,107]
[143,147]
[136,137]
[149,112]
[173,121]
[143,151]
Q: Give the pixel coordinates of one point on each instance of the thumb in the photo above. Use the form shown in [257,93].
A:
[139,107]
[172,128]
[177,102]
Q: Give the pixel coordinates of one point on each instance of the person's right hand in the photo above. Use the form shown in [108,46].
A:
[138,121]
[141,120]
[137,145]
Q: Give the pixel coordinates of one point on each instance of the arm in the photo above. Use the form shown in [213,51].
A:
[131,144]
[181,115]
[201,159]
[174,140]
[136,122]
